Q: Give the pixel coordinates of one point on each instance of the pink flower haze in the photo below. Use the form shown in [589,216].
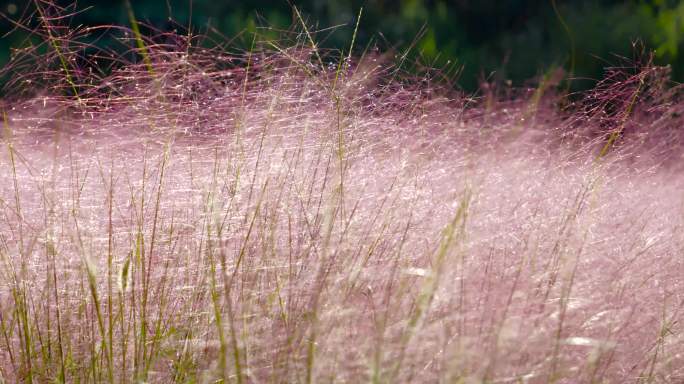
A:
[260,217]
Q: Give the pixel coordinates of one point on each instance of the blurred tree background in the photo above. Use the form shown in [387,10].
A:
[514,40]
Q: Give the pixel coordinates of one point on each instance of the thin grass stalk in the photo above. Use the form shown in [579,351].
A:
[91,273]
[150,254]
[138,37]
[19,287]
[55,43]
[453,232]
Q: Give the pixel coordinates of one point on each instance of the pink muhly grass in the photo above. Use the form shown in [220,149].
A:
[264,216]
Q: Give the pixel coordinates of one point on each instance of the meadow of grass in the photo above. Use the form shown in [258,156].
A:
[291,215]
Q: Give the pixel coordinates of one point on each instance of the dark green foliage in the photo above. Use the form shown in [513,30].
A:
[513,40]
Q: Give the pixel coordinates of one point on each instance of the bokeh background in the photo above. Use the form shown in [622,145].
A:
[513,41]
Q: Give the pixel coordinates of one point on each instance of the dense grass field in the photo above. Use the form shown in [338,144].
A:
[289,215]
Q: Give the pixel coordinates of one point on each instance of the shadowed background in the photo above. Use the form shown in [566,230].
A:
[514,40]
